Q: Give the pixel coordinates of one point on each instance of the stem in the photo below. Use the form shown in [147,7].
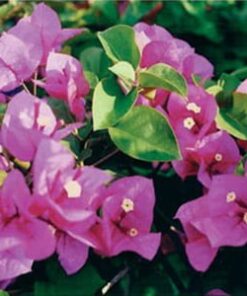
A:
[34,85]
[240,73]
[26,88]
[6,155]
[106,157]
[114,281]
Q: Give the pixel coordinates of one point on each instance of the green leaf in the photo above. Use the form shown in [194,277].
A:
[126,73]
[136,10]
[214,89]
[110,104]
[3,293]
[163,76]
[119,44]
[145,134]
[86,282]
[227,122]
[108,8]
[91,78]
[94,60]
[228,83]
[3,108]
[234,119]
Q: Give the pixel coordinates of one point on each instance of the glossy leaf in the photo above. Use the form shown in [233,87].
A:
[234,119]
[94,60]
[119,44]
[163,76]
[126,74]
[86,282]
[145,134]
[110,104]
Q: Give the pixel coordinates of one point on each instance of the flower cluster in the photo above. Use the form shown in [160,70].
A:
[51,203]
[218,218]
[48,202]
[157,45]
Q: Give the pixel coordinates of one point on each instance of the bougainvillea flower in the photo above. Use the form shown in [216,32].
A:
[217,292]
[219,154]
[215,154]
[27,121]
[155,98]
[42,31]
[13,261]
[17,62]
[161,52]
[196,64]
[159,46]
[197,246]
[146,34]
[64,197]
[192,118]
[215,220]
[127,214]
[49,27]
[23,238]
[28,44]
[65,80]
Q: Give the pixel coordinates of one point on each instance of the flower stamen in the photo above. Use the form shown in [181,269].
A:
[133,232]
[128,205]
[73,189]
[218,157]
[189,123]
[193,107]
[231,196]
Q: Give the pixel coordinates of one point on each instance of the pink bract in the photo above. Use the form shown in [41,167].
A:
[158,46]
[26,122]
[215,154]
[49,27]
[23,237]
[193,117]
[65,80]
[127,214]
[64,197]
[215,220]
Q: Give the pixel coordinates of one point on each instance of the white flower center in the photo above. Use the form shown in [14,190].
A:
[128,205]
[193,107]
[218,157]
[189,123]
[73,189]
[133,232]
[231,196]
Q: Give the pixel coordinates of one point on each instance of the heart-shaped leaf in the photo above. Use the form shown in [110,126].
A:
[144,133]
[110,104]
[119,44]
[163,76]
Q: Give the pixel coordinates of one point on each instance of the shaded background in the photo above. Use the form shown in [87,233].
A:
[217,29]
